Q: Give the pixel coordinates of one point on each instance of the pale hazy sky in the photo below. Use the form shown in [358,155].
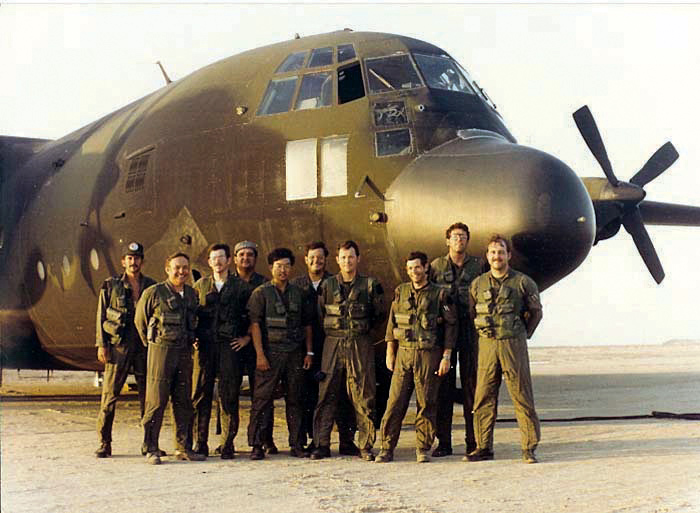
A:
[636,66]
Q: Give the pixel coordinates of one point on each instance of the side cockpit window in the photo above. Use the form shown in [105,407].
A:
[293,62]
[350,86]
[278,97]
[321,57]
[391,74]
[345,53]
[316,91]
[441,72]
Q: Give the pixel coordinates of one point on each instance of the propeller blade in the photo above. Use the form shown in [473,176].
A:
[634,225]
[657,164]
[589,131]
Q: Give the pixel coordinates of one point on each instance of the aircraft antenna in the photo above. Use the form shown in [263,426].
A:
[165,75]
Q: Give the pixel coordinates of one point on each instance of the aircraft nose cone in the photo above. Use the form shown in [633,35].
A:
[494,186]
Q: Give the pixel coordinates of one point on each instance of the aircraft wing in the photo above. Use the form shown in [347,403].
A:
[668,214]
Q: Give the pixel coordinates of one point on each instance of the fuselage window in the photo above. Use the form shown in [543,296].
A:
[321,57]
[278,97]
[442,73]
[293,62]
[388,114]
[391,73]
[393,142]
[345,53]
[334,166]
[316,91]
[300,159]
[136,176]
[350,85]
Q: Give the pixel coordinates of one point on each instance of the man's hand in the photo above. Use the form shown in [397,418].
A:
[103,354]
[262,364]
[444,367]
[239,343]
[195,344]
[308,360]
[390,359]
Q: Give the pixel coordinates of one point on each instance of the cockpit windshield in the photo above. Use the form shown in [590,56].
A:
[391,73]
[442,73]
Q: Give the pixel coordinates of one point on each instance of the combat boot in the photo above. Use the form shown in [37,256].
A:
[442,451]
[384,456]
[227,452]
[298,452]
[189,456]
[271,448]
[201,448]
[105,450]
[348,449]
[152,458]
[529,456]
[257,453]
[160,452]
[422,456]
[479,455]
[321,452]
[366,454]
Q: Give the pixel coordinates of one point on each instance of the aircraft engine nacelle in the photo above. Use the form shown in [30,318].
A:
[494,186]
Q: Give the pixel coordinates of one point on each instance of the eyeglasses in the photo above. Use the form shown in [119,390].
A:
[458,236]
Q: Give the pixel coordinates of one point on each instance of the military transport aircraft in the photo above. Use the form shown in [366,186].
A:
[374,137]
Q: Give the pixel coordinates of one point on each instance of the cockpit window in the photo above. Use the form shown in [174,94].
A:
[278,96]
[345,53]
[350,86]
[321,57]
[391,74]
[316,91]
[442,73]
[293,62]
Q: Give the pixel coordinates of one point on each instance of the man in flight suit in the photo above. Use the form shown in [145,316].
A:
[423,324]
[350,306]
[454,272]
[280,320]
[222,325]
[245,256]
[166,317]
[506,308]
[118,343]
[315,259]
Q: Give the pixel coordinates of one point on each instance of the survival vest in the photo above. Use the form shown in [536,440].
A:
[351,315]
[174,320]
[118,312]
[417,316]
[221,315]
[456,280]
[282,324]
[499,312]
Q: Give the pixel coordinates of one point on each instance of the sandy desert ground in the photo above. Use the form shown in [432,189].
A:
[627,465]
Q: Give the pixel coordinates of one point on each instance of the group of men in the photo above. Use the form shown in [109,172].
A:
[313,337]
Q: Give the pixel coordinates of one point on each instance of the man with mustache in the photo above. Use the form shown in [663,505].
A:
[118,345]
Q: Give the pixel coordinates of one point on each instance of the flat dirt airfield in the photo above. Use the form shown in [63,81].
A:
[625,465]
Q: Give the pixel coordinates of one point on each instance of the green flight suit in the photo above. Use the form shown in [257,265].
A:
[283,318]
[166,321]
[345,415]
[115,330]
[424,323]
[506,312]
[247,360]
[456,280]
[348,312]
[221,317]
